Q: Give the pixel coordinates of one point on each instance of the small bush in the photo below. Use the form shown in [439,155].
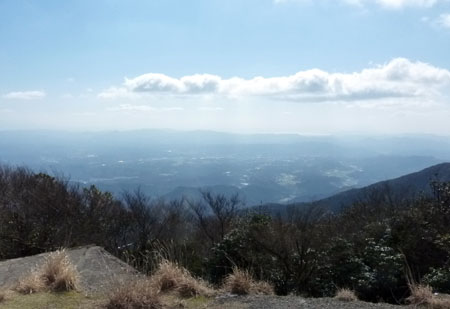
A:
[2,296]
[57,274]
[346,295]
[171,277]
[138,294]
[438,278]
[241,282]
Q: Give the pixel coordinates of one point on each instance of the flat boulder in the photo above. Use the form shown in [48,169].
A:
[99,270]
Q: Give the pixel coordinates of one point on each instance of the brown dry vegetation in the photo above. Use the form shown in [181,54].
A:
[147,292]
[422,295]
[57,274]
[171,277]
[242,283]
[346,295]
[134,295]
[32,283]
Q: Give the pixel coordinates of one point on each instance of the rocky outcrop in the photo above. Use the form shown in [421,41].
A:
[99,270]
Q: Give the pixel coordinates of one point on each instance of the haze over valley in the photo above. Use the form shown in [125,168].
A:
[261,168]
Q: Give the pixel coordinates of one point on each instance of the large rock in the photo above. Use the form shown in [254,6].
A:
[99,270]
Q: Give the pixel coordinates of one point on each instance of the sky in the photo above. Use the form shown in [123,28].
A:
[243,66]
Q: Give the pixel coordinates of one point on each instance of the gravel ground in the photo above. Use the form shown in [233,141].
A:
[291,302]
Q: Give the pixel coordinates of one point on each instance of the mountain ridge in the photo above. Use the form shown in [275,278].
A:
[403,187]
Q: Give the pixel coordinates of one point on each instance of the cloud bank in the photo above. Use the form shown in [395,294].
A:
[25,95]
[400,78]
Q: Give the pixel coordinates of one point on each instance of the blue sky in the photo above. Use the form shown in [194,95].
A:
[299,66]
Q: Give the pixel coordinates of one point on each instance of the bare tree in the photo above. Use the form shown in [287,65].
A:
[215,214]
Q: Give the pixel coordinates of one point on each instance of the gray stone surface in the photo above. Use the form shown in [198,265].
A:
[99,270]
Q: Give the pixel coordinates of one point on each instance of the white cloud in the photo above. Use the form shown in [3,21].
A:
[400,78]
[389,4]
[398,4]
[25,95]
[115,92]
[440,22]
[153,82]
[443,21]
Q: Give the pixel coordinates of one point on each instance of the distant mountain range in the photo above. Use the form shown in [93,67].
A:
[404,187]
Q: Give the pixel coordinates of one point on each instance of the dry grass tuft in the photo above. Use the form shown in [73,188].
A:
[263,287]
[171,277]
[30,284]
[6,294]
[57,274]
[346,295]
[422,295]
[438,303]
[167,276]
[138,294]
[241,282]
[191,287]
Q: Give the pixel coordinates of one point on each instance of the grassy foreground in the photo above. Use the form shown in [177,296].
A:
[56,284]
[77,300]
[47,300]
